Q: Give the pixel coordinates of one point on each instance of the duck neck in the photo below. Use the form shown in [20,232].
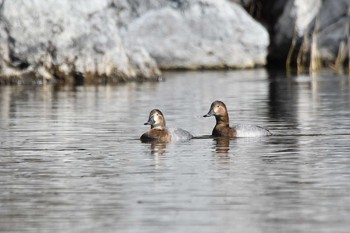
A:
[222,120]
[160,125]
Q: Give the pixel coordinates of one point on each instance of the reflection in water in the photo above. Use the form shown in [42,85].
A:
[283,99]
[158,148]
[222,145]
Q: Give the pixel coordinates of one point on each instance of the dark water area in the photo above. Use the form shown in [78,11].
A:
[71,159]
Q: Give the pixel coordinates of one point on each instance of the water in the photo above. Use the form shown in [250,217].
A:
[71,160]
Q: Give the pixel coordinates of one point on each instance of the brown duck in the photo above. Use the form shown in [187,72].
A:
[222,128]
[159,132]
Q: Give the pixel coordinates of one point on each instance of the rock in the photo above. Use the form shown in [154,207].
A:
[282,18]
[197,34]
[81,35]
[142,63]
[123,39]
[334,20]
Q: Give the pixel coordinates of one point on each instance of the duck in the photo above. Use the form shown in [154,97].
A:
[223,129]
[160,133]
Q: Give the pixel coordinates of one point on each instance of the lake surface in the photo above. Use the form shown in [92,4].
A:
[71,159]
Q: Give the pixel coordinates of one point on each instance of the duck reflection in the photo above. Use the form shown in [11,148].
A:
[158,148]
[222,145]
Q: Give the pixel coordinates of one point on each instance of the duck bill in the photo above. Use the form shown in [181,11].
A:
[209,114]
[150,121]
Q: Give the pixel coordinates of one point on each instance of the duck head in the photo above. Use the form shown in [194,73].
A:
[219,110]
[156,119]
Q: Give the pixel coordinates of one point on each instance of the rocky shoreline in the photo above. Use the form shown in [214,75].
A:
[99,41]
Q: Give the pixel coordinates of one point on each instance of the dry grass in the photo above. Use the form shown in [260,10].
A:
[315,60]
[291,50]
[302,54]
[340,60]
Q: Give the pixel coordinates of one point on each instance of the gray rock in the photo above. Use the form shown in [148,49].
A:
[333,18]
[198,34]
[66,37]
[125,38]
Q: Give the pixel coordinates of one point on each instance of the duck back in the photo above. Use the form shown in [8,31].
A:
[160,135]
[251,131]
[178,135]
